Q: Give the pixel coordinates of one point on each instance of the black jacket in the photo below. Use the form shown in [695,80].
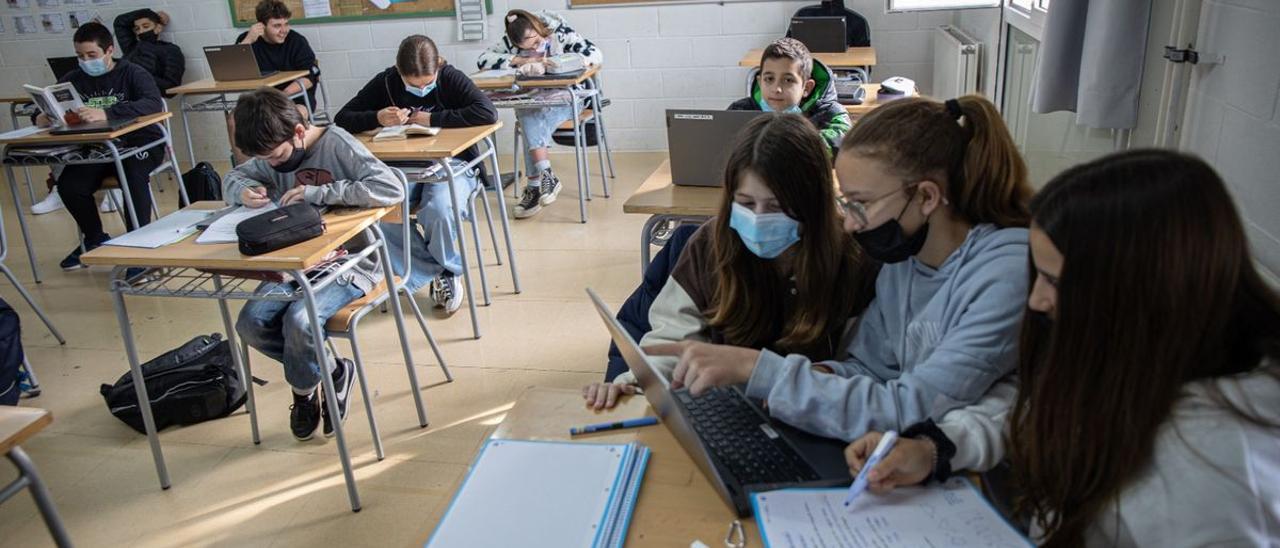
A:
[163,60]
[294,53]
[126,91]
[634,313]
[455,102]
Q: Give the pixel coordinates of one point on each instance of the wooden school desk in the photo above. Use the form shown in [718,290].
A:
[17,425]
[176,273]
[21,106]
[676,504]
[220,102]
[443,148]
[851,58]
[664,201]
[113,154]
[580,100]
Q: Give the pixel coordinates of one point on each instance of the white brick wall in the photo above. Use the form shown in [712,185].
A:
[655,57]
[1233,116]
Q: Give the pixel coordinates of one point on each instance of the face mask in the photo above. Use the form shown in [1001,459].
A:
[888,243]
[422,91]
[793,109]
[94,67]
[149,36]
[295,160]
[767,235]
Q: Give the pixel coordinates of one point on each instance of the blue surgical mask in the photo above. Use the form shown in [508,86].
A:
[422,91]
[764,105]
[94,67]
[765,234]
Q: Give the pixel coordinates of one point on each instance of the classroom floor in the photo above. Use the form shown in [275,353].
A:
[226,491]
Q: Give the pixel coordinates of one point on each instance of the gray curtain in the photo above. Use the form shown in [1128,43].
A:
[1091,56]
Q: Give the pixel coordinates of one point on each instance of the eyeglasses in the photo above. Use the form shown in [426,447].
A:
[858,208]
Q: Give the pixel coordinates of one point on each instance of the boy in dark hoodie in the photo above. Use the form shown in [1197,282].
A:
[791,80]
[139,35]
[422,89]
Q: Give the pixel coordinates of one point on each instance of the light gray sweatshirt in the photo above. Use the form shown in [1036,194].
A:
[359,180]
[931,341]
[1213,480]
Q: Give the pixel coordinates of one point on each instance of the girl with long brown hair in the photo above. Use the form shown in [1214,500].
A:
[1147,407]
[937,192]
[762,272]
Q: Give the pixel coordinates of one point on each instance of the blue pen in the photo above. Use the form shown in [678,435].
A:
[882,449]
[629,423]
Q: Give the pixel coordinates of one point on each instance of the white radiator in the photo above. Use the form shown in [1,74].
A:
[956,62]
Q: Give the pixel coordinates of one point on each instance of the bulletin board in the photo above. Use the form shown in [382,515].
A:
[349,10]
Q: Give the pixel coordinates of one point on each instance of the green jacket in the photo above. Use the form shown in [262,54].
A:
[819,106]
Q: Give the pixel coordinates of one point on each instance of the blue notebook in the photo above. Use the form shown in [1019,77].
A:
[536,493]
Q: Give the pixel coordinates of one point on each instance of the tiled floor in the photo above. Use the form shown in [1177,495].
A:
[226,491]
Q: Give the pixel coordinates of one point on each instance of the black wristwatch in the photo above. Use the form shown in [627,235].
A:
[945,449]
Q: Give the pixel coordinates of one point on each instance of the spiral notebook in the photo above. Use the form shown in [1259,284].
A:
[552,494]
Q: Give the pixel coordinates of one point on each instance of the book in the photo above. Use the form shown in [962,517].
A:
[550,494]
[399,133]
[951,514]
[58,102]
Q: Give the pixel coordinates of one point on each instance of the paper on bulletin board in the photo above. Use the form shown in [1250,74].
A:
[18,4]
[52,23]
[75,2]
[80,17]
[1,26]
[316,8]
[103,2]
[25,24]
[50,3]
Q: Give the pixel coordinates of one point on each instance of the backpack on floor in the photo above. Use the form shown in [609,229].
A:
[193,383]
[10,355]
[203,183]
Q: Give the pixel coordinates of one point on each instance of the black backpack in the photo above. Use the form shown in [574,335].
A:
[203,183]
[193,383]
[10,355]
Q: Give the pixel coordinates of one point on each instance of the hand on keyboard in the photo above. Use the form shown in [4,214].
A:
[703,366]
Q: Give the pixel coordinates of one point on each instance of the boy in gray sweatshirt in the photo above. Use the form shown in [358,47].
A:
[282,142]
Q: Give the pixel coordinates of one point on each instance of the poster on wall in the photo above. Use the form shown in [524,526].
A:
[50,3]
[316,8]
[80,17]
[18,4]
[25,24]
[52,23]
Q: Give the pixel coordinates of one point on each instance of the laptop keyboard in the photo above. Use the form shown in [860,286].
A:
[731,431]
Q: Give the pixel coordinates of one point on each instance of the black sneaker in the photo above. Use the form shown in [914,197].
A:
[72,260]
[344,376]
[304,415]
[550,188]
[530,204]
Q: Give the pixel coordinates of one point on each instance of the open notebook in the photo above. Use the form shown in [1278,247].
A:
[951,514]
[399,133]
[552,494]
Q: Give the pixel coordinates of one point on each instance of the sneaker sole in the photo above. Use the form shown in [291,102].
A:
[526,213]
[73,268]
[308,438]
[549,198]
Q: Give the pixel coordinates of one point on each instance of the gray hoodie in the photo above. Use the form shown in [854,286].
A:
[931,341]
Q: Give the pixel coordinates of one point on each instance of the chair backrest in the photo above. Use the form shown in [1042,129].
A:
[857,30]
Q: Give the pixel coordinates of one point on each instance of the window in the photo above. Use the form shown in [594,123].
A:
[922,5]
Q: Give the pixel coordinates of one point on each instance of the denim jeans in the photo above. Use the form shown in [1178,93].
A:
[537,125]
[433,238]
[281,330]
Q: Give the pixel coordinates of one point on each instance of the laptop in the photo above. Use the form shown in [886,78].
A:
[105,126]
[735,444]
[234,62]
[820,34]
[61,66]
[699,142]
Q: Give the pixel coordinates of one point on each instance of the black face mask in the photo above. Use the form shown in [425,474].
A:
[295,160]
[149,36]
[888,243]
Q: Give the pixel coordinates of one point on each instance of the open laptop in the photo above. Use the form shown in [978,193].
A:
[735,444]
[234,62]
[820,34]
[699,142]
[61,66]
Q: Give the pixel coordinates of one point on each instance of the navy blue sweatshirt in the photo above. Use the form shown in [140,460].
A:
[163,60]
[294,53]
[125,91]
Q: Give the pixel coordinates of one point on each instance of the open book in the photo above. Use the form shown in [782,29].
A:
[397,133]
[59,102]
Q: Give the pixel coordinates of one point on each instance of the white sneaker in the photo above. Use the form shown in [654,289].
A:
[49,204]
[108,206]
[446,291]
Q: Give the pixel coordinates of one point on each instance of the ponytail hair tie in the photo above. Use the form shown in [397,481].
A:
[953,108]
[512,18]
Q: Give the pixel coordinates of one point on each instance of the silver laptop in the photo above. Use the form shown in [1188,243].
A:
[234,62]
[820,34]
[735,444]
[699,142]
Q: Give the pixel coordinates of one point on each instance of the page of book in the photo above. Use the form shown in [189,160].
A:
[949,515]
